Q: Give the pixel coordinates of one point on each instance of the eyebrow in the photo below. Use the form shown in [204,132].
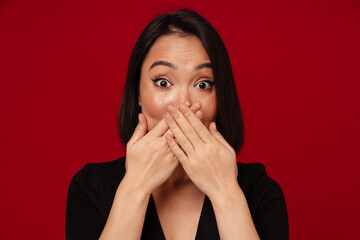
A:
[203,65]
[170,65]
[163,63]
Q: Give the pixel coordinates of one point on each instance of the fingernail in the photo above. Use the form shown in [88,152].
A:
[169,118]
[199,114]
[187,103]
[182,108]
[139,117]
[214,126]
[195,107]
[171,109]
[168,137]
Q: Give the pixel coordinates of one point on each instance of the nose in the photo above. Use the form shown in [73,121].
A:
[183,96]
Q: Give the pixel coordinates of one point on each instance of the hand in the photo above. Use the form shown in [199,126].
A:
[208,160]
[149,161]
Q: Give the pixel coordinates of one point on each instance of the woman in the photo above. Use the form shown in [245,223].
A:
[180,178]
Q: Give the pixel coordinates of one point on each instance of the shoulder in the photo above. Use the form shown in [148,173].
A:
[94,175]
[258,187]
[101,169]
[253,173]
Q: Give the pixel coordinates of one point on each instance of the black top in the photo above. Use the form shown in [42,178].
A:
[93,188]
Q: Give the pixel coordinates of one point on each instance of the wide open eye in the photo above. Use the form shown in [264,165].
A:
[205,85]
[162,82]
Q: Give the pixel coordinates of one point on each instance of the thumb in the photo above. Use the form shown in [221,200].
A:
[140,129]
[219,137]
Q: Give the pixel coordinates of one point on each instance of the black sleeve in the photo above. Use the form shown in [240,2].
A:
[270,218]
[83,219]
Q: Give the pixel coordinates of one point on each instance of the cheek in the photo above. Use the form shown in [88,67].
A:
[209,109]
[209,115]
[154,106]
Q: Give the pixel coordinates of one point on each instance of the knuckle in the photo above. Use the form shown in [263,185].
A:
[173,124]
[173,127]
[183,159]
[188,130]
[197,125]
[218,136]
[188,114]
[172,144]
[138,128]
[182,140]
[176,115]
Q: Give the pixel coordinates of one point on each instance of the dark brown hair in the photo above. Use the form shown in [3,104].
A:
[229,120]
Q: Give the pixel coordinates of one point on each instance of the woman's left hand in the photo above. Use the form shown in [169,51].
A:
[208,160]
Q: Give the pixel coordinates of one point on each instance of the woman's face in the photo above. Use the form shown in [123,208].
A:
[176,70]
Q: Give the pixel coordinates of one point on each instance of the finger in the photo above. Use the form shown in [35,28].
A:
[177,151]
[198,114]
[219,137]
[199,127]
[159,129]
[195,107]
[171,158]
[179,135]
[185,125]
[140,129]
[169,132]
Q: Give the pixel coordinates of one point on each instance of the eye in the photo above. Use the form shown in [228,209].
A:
[205,85]
[161,82]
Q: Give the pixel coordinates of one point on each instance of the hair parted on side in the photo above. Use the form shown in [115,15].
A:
[185,22]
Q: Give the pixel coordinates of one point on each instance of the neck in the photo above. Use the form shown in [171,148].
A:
[177,181]
[176,185]
[178,177]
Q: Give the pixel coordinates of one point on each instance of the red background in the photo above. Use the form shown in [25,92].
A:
[297,70]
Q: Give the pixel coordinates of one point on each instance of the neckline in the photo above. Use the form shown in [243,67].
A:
[204,204]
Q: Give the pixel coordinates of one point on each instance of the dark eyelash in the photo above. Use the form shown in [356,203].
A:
[209,82]
[155,80]
[158,79]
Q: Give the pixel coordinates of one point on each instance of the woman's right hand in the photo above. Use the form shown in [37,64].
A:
[149,160]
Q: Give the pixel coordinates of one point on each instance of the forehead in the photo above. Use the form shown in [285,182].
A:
[177,49]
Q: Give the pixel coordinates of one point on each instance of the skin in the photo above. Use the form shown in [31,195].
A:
[183,84]
[176,154]
[179,81]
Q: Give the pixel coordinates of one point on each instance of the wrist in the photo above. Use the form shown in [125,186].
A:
[227,196]
[133,188]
